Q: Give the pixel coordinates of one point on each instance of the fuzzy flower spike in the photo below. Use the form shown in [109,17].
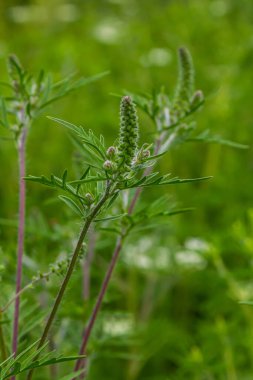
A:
[185,83]
[129,134]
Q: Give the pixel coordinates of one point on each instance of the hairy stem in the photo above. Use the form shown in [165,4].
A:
[21,232]
[70,269]
[112,264]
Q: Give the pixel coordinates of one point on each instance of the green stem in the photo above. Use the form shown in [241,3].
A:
[2,341]
[26,287]
[71,267]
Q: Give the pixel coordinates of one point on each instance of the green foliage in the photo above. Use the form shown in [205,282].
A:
[179,303]
[30,95]
[25,361]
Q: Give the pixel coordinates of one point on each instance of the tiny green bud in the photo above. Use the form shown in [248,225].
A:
[89,198]
[111,151]
[197,98]
[108,165]
[141,156]
[146,153]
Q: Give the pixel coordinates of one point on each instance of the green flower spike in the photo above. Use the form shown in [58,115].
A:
[15,70]
[185,83]
[129,134]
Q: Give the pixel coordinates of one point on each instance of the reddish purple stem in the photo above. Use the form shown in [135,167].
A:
[21,231]
[99,301]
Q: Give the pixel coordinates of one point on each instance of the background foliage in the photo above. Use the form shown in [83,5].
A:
[172,310]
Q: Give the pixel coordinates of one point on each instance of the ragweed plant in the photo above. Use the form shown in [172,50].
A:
[110,171]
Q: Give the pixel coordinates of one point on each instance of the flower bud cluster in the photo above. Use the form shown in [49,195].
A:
[184,92]
[129,134]
[59,268]
[120,159]
[110,164]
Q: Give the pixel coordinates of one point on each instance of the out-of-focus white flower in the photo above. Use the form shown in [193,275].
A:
[143,255]
[156,57]
[109,31]
[197,244]
[190,259]
[118,325]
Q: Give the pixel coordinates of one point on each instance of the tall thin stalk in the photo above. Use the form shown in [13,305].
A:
[99,300]
[3,349]
[71,267]
[86,274]
[87,264]
[21,233]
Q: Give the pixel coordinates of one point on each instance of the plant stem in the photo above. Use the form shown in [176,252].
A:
[21,231]
[87,264]
[99,300]
[26,287]
[70,269]
[86,276]
[112,264]
[2,341]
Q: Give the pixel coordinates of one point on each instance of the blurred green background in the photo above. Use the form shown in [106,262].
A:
[181,319]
